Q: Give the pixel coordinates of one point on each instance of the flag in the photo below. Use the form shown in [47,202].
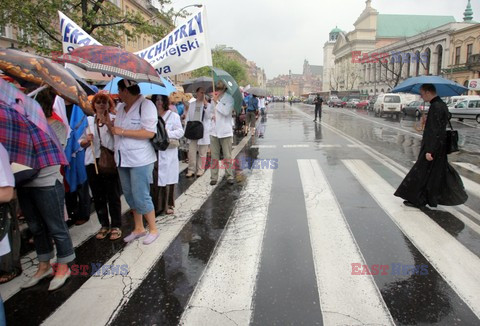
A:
[75,172]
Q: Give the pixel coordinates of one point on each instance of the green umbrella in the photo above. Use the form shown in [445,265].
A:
[232,87]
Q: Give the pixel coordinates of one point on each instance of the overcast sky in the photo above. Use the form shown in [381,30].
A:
[279,34]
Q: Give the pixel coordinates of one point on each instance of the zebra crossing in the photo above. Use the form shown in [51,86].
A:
[351,217]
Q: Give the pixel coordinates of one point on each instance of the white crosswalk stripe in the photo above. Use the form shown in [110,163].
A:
[335,281]
[427,236]
[225,291]
[469,166]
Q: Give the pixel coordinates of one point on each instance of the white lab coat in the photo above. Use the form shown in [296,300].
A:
[168,164]
[206,121]
[222,126]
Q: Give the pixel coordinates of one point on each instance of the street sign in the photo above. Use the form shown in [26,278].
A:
[474,84]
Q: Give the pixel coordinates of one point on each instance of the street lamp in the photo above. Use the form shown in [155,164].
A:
[194,5]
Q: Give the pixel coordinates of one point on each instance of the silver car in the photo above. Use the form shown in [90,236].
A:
[467,109]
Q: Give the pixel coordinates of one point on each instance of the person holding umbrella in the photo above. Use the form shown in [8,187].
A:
[432,180]
[318,107]
[135,124]
[221,134]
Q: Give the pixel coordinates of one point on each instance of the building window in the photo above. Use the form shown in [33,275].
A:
[457,55]
[427,58]
[469,51]
[439,59]
[409,60]
[417,61]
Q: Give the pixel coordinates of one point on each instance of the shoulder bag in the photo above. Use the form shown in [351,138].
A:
[452,139]
[194,129]
[160,140]
[106,162]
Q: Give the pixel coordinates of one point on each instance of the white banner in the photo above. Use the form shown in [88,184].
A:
[185,49]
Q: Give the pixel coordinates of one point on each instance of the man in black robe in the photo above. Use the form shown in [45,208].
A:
[432,180]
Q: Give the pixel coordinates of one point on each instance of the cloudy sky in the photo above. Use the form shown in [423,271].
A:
[279,34]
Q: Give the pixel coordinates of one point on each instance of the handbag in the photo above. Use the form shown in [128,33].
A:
[4,219]
[106,162]
[452,140]
[160,140]
[194,129]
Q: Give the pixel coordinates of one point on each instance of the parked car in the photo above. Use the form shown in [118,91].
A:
[454,100]
[336,103]
[352,103]
[468,109]
[416,108]
[362,104]
[388,104]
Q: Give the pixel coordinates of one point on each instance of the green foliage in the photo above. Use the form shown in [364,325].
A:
[38,21]
[220,60]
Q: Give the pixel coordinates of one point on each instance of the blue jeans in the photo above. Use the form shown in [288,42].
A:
[136,187]
[44,213]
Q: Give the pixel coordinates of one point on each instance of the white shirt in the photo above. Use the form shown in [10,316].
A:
[107,139]
[131,152]
[206,120]
[261,103]
[222,126]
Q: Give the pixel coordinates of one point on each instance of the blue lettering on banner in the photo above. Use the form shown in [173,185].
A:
[183,32]
[67,31]
[198,18]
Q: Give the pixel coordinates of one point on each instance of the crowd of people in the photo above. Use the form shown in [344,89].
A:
[119,158]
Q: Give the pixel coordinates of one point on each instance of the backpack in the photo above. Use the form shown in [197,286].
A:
[160,141]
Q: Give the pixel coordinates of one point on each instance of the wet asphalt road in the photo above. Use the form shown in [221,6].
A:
[285,286]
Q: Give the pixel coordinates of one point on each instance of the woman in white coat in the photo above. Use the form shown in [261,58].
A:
[199,110]
[168,164]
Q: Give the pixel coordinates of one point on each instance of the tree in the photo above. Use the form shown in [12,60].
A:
[220,60]
[38,25]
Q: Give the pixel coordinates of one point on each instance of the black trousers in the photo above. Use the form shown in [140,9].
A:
[318,112]
[106,191]
[78,203]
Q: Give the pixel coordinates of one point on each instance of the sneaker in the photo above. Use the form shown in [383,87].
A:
[213,182]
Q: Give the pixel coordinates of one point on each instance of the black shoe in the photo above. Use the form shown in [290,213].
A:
[315,120]
[213,182]
[231,181]
[410,204]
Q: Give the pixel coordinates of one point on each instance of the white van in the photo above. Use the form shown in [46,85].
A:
[452,101]
[388,104]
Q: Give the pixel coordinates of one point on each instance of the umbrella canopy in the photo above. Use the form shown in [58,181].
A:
[445,87]
[41,71]
[112,61]
[257,91]
[232,87]
[26,143]
[191,85]
[145,88]
[86,87]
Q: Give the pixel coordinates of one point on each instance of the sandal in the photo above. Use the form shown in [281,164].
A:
[102,233]
[7,277]
[115,234]
[170,210]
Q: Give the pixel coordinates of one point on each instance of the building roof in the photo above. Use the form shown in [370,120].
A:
[408,25]
[335,30]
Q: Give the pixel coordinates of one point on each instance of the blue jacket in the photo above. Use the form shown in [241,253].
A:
[252,104]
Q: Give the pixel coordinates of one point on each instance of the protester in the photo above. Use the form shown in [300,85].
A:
[42,204]
[7,183]
[221,133]
[262,105]
[135,124]
[318,107]
[200,110]
[252,109]
[78,201]
[168,163]
[432,180]
[105,184]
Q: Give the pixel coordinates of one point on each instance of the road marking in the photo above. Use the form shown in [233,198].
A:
[454,262]
[328,146]
[224,294]
[468,166]
[345,299]
[296,146]
[264,146]
[108,294]
[354,145]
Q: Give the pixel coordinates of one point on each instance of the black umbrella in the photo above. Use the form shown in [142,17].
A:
[191,85]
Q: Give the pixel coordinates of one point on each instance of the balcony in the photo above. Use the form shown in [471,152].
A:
[473,62]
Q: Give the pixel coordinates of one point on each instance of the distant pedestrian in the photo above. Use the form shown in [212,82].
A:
[432,180]
[135,124]
[318,107]
[262,105]
[252,109]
